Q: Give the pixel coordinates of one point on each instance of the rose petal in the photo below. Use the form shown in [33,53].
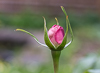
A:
[56,34]
[59,35]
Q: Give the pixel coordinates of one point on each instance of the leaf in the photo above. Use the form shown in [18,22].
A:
[46,38]
[32,36]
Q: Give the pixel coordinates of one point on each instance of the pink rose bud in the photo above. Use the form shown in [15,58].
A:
[56,34]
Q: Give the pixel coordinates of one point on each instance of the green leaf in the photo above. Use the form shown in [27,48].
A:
[46,38]
[32,36]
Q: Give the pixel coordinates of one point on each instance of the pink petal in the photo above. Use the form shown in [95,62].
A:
[59,35]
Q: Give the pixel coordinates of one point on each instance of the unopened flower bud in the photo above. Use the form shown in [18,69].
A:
[56,35]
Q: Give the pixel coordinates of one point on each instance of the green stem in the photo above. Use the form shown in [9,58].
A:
[55,56]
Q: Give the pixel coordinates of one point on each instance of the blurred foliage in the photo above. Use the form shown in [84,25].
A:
[4,67]
[24,20]
[90,62]
[35,21]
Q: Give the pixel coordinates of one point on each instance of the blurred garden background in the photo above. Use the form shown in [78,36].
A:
[19,52]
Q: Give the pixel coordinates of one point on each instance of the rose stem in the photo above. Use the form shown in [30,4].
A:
[55,56]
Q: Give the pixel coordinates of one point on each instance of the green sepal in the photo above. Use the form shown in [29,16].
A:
[62,45]
[57,21]
[67,20]
[46,38]
[32,36]
[67,24]
[63,10]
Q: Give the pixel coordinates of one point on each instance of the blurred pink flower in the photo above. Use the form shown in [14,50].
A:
[56,35]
